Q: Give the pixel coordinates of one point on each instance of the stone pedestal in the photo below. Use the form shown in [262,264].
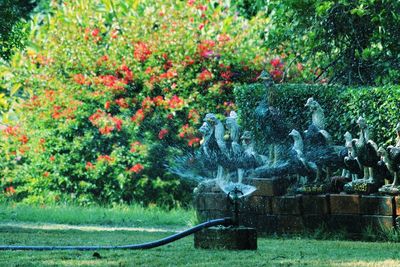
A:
[235,238]
[345,204]
[346,222]
[315,204]
[269,187]
[286,205]
[377,205]
[378,223]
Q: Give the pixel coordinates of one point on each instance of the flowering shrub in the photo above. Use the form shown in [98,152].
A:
[111,88]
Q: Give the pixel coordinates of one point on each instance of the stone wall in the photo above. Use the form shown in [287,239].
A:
[269,211]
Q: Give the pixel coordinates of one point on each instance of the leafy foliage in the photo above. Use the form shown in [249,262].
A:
[111,88]
[351,42]
[12,25]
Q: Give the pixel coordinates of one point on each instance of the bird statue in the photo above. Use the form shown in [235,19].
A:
[318,148]
[317,117]
[273,129]
[270,123]
[351,167]
[234,132]
[297,159]
[248,147]
[366,151]
[391,158]
[219,131]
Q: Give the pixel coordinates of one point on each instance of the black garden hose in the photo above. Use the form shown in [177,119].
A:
[148,245]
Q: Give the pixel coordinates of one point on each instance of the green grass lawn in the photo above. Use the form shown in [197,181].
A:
[127,216]
[272,251]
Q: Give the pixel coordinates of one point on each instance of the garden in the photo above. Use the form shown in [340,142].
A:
[109,109]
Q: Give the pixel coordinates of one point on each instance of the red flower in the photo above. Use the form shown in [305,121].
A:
[11,130]
[275,62]
[194,116]
[118,123]
[128,74]
[202,7]
[95,32]
[223,38]
[141,51]
[147,103]
[158,100]
[226,75]
[104,158]
[135,146]
[162,133]
[175,102]
[89,165]
[169,74]
[205,48]
[106,129]
[276,74]
[136,168]
[10,190]
[107,105]
[79,79]
[23,139]
[114,34]
[189,60]
[122,103]
[300,67]
[138,117]
[52,158]
[194,141]
[205,75]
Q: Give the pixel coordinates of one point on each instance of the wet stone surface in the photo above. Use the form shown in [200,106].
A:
[378,223]
[377,205]
[315,204]
[345,204]
[286,205]
[232,238]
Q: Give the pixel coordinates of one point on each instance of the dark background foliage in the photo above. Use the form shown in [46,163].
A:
[351,42]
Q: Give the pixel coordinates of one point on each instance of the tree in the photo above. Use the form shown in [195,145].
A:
[353,42]
[12,16]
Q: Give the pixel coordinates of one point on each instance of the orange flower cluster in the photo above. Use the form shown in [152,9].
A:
[105,122]
[138,117]
[105,158]
[112,82]
[277,71]
[162,133]
[141,51]
[65,112]
[205,48]
[10,190]
[136,168]
[204,76]
[188,133]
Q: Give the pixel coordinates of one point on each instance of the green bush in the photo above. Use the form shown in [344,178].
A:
[110,88]
[342,106]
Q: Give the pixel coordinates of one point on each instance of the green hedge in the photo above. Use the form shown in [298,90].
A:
[379,105]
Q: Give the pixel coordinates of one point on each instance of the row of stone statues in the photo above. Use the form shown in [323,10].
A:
[228,153]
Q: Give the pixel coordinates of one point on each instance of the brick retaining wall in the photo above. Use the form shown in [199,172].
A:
[298,213]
